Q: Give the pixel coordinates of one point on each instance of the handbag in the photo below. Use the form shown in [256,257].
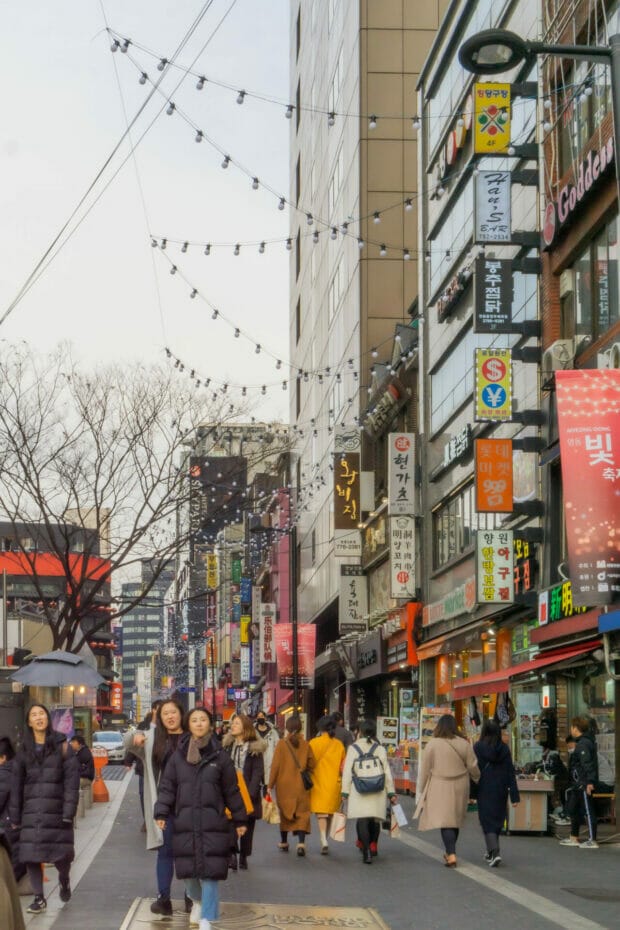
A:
[306,777]
[337,829]
[271,814]
[245,795]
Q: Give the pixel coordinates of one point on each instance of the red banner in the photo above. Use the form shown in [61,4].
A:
[116,695]
[588,404]
[306,649]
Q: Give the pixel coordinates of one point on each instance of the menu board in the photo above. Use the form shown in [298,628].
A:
[387,731]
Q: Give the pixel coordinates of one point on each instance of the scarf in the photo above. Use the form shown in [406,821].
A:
[195,745]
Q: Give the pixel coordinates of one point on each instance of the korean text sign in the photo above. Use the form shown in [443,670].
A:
[588,402]
[491,118]
[493,471]
[401,473]
[346,490]
[353,600]
[495,567]
[493,388]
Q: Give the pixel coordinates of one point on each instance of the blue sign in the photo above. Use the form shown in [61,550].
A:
[184,690]
[246,590]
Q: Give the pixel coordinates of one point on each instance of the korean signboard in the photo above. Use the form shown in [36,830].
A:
[493,295]
[588,402]
[116,695]
[495,567]
[245,590]
[245,665]
[346,490]
[493,387]
[347,439]
[491,118]
[235,570]
[557,603]
[348,543]
[244,629]
[401,474]
[493,475]
[267,621]
[306,648]
[212,570]
[353,601]
[492,214]
[402,556]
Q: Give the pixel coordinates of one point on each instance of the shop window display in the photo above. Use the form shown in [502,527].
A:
[596,284]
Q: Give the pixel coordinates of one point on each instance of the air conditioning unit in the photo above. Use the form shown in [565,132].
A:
[614,356]
[559,356]
[567,282]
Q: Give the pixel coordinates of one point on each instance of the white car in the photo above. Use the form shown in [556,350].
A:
[112,742]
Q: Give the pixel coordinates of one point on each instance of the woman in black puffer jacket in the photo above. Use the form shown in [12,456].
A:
[7,755]
[198,785]
[44,799]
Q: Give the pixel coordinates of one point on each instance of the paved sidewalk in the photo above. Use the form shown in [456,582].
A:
[540,885]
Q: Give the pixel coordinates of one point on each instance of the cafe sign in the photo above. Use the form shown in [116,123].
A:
[559,213]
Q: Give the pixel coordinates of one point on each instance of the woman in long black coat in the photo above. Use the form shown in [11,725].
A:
[497,782]
[44,798]
[11,837]
[198,785]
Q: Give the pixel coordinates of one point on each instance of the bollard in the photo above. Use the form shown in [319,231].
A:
[81,811]
[100,758]
[88,795]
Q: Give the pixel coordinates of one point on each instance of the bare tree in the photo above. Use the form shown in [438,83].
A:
[93,471]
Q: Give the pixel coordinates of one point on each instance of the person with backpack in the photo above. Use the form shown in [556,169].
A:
[497,781]
[367,784]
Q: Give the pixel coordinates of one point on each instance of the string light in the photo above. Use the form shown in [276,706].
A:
[201,83]
[237,249]
[241,96]
[331,119]
[415,124]
[309,219]
[184,246]
[193,293]
[125,46]
[261,248]
[408,204]
[208,249]
[376,217]
[289,245]
[289,111]
[254,184]
[226,161]
[315,236]
[383,251]
[237,332]
[281,203]
[333,233]
[162,64]
[199,136]
[372,123]
[143,78]
[115,46]
[215,315]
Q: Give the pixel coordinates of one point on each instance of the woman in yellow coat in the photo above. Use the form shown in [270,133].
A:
[325,793]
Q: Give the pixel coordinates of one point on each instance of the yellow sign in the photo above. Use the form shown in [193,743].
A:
[212,570]
[245,630]
[493,389]
[491,118]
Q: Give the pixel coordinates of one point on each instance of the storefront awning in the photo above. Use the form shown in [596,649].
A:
[492,682]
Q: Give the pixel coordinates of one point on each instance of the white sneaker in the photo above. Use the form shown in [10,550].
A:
[194,917]
[569,842]
[204,924]
[588,844]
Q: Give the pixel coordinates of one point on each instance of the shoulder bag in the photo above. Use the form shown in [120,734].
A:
[305,774]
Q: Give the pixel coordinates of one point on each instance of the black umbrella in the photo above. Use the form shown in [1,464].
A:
[58,669]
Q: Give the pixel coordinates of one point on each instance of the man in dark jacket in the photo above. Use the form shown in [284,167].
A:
[583,775]
[345,736]
[84,758]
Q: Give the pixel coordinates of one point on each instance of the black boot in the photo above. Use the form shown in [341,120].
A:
[243,861]
[232,861]
[65,891]
[367,857]
[188,903]
[162,906]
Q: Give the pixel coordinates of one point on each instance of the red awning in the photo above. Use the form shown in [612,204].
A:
[492,682]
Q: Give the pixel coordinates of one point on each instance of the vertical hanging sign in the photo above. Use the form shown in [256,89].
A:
[267,620]
[353,601]
[347,489]
[495,567]
[493,475]
[493,387]
[493,291]
[402,556]
[492,208]
[491,118]
[401,473]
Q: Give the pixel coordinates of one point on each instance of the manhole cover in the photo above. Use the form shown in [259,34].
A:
[595,894]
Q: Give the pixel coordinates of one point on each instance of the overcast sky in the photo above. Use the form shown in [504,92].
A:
[108,291]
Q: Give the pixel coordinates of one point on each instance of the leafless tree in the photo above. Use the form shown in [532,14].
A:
[93,474]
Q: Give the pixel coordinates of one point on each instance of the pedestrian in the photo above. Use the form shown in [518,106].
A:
[155,747]
[448,763]
[86,763]
[345,736]
[130,759]
[44,799]
[247,749]
[292,756]
[497,782]
[325,794]
[367,808]
[271,736]
[199,780]
[11,917]
[583,777]
[11,837]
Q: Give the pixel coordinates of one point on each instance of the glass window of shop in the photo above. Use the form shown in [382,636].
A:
[591,694]
[454,524]
[454,79]
[582,102]
[455,233]
[594,305]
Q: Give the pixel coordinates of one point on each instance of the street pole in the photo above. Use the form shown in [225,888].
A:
[5,620]
[614,45]
[293,612]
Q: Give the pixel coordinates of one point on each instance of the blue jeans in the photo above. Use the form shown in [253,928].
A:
[207,891]
[165,862]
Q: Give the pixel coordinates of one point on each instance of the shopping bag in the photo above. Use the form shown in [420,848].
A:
[399,814]
[271,814]
[245,795]
[338,827]
[394,828]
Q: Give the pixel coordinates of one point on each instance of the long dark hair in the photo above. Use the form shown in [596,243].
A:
[327,725]
[29,744]
[293,728]
[367,728]
[491,732]
[160,740]
[446,727]
[6,748]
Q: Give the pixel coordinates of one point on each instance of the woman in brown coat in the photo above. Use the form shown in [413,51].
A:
[448,763]
[291,755]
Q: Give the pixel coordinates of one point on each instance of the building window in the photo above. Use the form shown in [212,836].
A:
[336,82]
[335,292]
[313,547]
[298,34]
[297,254]
[297,397]
[583,102]
[454,525]
[298,320]
[298,180]
[335,182]
[331,13]
[298,105]
[596,291]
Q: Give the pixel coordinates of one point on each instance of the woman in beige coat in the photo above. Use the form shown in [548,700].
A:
[448,763]
[291,756]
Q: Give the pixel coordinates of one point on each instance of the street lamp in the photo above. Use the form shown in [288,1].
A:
[496,50]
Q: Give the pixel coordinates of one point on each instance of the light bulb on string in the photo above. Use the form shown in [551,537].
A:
[199,135]
[226,161]
[115,46]
[408,204]
[261,248]
[263,390]
[193,293]
[237,332]
[344,228]
[185,246]
[170,108]
[237,249]
[162,64]
[164,243]
[333,233]
[143,78]
[415,123]
[406,255]
[331,119]
[289,111]
[201,83]
[376,217]
[278,364]
[281,203]
[289,245]
[315,236]
[360,243]
[372,123]
[215,314]
[240,96]
[208,248]
[257,349]
[254,184]
[173,270]
[383,251]
[125,46]
[309,219]
[374,353]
